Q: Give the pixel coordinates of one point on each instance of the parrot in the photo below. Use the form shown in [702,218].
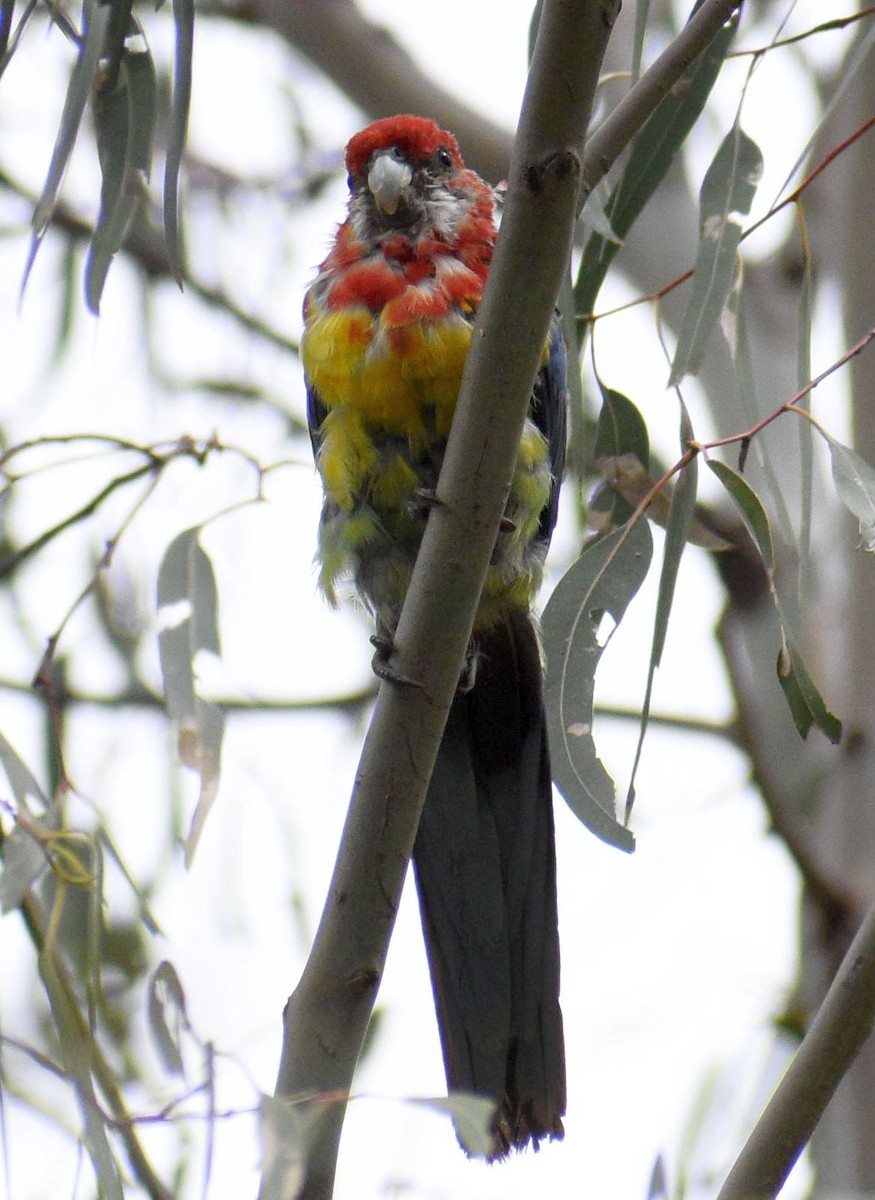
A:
[388,322]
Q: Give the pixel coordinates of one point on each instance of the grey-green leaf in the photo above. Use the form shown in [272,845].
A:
[20,777]
[680,516]
[806,704]
[125,121]
[188,609]
[652,153]
[24,860]
[473,1119]
[751,509]
[727,193]
[82,77]
[855,483]
[183,22]
[602,582]
[167,1015]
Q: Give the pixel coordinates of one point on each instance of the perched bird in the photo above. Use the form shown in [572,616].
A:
[388,325]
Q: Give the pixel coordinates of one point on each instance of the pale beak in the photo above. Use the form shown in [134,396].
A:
[388,179]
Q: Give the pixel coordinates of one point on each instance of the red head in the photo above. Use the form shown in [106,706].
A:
[418,140]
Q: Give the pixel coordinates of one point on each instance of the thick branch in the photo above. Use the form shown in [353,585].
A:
[838,1033]
[327,1015]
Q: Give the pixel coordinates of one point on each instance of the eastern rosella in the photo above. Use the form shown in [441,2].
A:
[388,324]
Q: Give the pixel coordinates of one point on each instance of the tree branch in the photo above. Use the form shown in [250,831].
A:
[838,1033]
[327,1015]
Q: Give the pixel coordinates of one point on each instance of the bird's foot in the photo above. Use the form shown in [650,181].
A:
[382,668]
[424,500]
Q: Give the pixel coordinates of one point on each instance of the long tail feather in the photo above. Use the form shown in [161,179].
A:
[486,874]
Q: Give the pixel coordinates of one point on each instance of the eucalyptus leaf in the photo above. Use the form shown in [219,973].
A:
[600,584]
[166,1011]
[472,1116]
[855,484]
[653,151]
[79,89]
[183,23]
[683,503]
[188,616]
[726,196]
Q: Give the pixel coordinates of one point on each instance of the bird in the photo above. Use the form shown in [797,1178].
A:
[388,322]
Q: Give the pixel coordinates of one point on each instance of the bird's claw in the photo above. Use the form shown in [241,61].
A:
[424,500]
[382,668]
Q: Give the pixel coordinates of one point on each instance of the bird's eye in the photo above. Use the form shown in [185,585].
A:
[396,153]
[445,159]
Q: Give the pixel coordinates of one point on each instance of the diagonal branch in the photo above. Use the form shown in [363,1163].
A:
[326,1016]
[843,1024]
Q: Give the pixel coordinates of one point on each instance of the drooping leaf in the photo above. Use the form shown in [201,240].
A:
[97,19]
[683,503]
[188,611]
[657,1189]
[601,583]
[803,374]
[751,406]
[183,23]
[167,1015]
[622,446]
[806,703]
[751,509]
[472,1117]
[642,12]
[621,429]
[125,121]
[727,193]
[73,1044]
[807,706]
[24,860]
[650,157]
[20,777]
[7,8]
[855,483]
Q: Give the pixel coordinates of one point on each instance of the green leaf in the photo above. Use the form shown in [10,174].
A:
[20,777]
[621,440]
[683,504]
[650,157]
[727,193]
[125,121]
[602,581]
[658,1187]
[167,1015]
[73,1045]
[805,701]
[473,1119]
[620,429]
[855,483]
[188,611]
[183,23]
[752,408]
[24,860]
[751,509]
[82,77]
[807,706]
[806,431]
